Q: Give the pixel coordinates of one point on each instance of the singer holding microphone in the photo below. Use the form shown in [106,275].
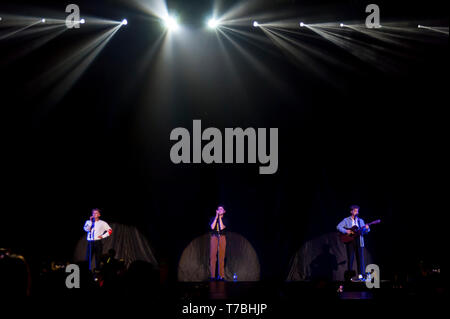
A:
[97,230]
[218,243]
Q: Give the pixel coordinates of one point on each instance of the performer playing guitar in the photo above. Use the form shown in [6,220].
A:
[351,231]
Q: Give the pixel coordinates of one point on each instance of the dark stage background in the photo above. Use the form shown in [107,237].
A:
[355,132]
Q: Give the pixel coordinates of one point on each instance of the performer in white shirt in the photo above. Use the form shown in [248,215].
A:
[97,230]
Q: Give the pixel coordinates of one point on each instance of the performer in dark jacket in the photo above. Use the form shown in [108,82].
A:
[354,248]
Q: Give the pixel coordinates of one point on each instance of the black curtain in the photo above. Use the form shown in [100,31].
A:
[322,258]
[129,244]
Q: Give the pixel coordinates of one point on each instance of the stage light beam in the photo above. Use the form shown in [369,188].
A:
[341,25]
[124,22]
[435,29]
[213,23]
[255,24]
[171,23]
[43,20]
[302,24]
[82,21]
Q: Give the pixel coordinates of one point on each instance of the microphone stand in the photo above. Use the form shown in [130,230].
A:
[218,249]
[361,251]
[91,243]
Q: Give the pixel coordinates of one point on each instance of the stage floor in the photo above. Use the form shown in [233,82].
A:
[263,299]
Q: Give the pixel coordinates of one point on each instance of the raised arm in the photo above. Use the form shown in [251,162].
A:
[214,223]
[87,226]
[222,225]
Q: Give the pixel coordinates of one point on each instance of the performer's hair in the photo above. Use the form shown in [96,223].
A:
[96,210]
[353,207]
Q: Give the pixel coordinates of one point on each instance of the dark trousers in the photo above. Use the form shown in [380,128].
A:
[95,248]
[355,251]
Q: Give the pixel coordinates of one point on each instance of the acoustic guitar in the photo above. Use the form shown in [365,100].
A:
[356,231]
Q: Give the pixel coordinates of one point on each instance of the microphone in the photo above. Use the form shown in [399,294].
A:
[92,232]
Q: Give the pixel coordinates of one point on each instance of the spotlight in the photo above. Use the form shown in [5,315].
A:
[0,18]
[255,24]
[341,25]
[82,21]
[43,20]
[124,22]
[171,23]
[419,26]
[302,24]
[213,23]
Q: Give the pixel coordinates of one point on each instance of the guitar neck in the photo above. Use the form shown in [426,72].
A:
[374,222]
